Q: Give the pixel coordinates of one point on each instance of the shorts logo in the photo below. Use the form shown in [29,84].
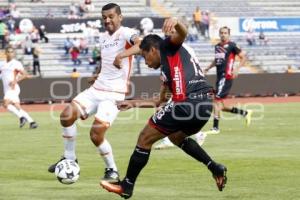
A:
[159,114]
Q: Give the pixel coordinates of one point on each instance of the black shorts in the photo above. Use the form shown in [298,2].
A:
[223,87]
[188,116]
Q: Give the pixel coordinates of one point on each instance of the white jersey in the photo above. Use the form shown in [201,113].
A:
[9,71]
[111,78]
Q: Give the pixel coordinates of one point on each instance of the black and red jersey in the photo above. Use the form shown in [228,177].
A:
[181,71]
[224,58]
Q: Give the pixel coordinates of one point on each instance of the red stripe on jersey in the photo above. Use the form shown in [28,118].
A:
[127,46]
[177,74]
[229,66]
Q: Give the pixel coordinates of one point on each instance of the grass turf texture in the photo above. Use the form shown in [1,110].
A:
[263,160]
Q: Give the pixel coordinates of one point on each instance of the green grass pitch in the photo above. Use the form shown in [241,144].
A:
[263,160]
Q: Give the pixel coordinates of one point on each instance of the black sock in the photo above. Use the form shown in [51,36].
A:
[137,162]
[192,148]
[216,123]
[239,111]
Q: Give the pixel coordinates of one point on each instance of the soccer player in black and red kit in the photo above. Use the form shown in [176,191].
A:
[186,113]
[225,53]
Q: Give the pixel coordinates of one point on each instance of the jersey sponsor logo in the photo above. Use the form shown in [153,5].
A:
[110,45]
[178,80]
[220,55]
[195,81]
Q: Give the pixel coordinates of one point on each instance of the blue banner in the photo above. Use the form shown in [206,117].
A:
[270,24]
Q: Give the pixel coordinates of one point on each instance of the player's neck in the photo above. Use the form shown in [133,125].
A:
[111,33]
[224,42]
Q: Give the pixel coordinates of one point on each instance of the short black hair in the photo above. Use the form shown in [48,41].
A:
[112,5]
[225,27]
[150,41]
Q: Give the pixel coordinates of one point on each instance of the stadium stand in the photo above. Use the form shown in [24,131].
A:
[280,52]
[236,8]
[58,8]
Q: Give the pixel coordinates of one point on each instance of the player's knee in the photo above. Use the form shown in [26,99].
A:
[145,140]
[97,132]
[66,118]
[5,105]
[96,137]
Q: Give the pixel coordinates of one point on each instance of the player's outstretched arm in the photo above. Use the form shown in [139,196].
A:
[144,103]
[135,49]
[180,33]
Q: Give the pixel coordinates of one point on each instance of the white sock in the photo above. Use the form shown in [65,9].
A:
[25,114]
[14,110]
[69,135]
[105,151]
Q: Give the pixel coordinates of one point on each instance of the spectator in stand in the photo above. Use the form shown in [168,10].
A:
[76,42]
[192,33]
[49,13]
[262,38]
[36,60]
[197,17]
[42,34]
[67,45]
[75,73]
[14,12]
[35,35]
[290,69]
[205,23]
[88,33]
[89,6]
[27,45]
[95,56]
[11,24]
[4,12]
[250,37]
[84,46]
[3,32]
[74,55]
[73,11]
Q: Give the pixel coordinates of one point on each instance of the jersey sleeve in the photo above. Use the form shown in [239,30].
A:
[236,48]
[130,35]
[169,46]
[18,66]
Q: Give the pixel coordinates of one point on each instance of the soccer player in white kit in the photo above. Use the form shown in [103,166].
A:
[12,73]
[117,45]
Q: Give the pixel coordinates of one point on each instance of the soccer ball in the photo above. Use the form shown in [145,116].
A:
[67,171]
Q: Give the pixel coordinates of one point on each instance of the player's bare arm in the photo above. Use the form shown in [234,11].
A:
[128,52]
[21,76]
[212,64]
[179,35]
[92,79]
[243,59]
[145,103]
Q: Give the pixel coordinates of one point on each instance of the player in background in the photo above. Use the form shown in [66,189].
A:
[187,112]
[225,53]
[117,45]
[12,72]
